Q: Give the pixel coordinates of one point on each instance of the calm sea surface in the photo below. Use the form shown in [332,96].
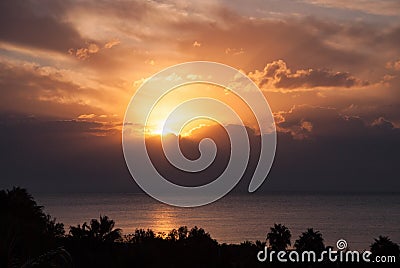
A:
[358,218]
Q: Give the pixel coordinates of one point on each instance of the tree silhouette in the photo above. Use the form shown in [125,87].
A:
[54,258]
[279,237]
[310,241]
[142,236]
[183,232]
[383,246]
[173,235]
[198,233]
[104,230]
[25,231]
[260,245]
[79,232]
[179,235]
[30,238]
[101,231]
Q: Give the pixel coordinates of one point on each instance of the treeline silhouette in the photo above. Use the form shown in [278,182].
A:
[30,238]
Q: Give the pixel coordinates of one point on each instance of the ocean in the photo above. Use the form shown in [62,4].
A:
[358,217]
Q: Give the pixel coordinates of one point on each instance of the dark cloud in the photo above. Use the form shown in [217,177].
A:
[39,24]
[318,150]
[338,153]
[323,121]
[43,90]
[292,40]
[58,156]
[189,147]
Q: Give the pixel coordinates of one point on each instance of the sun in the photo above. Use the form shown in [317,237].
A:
[163,121]
[160,128]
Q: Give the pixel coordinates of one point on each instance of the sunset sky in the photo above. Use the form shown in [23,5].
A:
[330,71]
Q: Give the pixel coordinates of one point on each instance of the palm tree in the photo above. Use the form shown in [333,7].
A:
[102,231]
[79,232]
[25,230]
[310,241]
[383,246]
[279,237]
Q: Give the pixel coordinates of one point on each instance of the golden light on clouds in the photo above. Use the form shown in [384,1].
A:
[166,105]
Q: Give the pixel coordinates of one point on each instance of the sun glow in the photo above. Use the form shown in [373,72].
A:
[186,131]
[158,129]
[157,124]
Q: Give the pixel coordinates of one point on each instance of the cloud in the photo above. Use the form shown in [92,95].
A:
[45,90]
[323,151]
[85,52]
[394,65]
[278,75]
[340,152]
[150,62]
[112,43]
[336,154]
[381,122]
[310,122]
[86,116]
[196,44]
[381,7]
[234,51]
[327,138]
[61,155]
[304,121]
[27,23]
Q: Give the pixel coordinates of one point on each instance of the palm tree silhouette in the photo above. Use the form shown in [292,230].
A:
[25,230]
[383,246]
[102,231]
[279,237]
[310,241]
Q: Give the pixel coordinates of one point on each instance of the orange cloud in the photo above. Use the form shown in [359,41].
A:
[278,75]
[234,51]
[196,44]
[112,43]
[86,116]
[85,52]
[394,65]
[381,7]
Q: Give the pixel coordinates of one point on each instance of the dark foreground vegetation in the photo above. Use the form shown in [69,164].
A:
[30,238]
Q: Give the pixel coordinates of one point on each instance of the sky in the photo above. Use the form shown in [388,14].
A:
[330,71]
